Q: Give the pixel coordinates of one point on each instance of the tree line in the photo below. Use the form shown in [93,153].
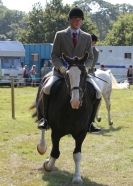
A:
[112,23]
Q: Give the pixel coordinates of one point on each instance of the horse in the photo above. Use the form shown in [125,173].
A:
[104,81]
[72,105]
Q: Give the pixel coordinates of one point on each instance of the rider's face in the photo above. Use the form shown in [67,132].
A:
[76,22]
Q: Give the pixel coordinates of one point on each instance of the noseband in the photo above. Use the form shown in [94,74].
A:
[75,88]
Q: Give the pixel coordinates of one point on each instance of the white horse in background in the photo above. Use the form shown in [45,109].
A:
[104,81]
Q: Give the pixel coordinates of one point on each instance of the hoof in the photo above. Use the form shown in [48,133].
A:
[77,180]
[41,149]
[46,167]
[111,123]
[99,119]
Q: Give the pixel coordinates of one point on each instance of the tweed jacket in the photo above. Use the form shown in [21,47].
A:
[63,44]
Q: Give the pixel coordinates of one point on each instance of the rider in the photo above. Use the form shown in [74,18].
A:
[72,42]
[95,52]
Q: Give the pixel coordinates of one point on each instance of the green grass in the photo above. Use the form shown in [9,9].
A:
[107,158]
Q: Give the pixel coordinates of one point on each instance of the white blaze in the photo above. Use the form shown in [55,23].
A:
[74,76]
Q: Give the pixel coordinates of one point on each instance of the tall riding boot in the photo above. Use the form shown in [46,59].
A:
[91,127]
[43,122]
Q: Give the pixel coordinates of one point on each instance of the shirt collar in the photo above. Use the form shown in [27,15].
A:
[74,31]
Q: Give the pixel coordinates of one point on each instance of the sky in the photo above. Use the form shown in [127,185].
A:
[26,5]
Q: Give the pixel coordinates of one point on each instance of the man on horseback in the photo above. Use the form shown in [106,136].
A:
[95,52]
[72,42]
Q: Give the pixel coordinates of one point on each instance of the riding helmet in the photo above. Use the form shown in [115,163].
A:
[94,37]
[76,12]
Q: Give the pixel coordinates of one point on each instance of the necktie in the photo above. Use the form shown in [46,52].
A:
[74,38]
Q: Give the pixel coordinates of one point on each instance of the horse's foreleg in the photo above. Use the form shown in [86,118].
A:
[77,157]
[42,147]
[98,118]
[108,107]
[49,164]
[77,177]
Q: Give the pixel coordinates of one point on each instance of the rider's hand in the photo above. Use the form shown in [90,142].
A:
[63,69]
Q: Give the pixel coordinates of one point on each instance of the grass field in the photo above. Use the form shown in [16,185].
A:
[107,158]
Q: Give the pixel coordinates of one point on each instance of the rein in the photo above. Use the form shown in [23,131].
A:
[99,78]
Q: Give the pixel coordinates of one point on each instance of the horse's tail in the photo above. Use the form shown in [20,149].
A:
[34,114]
[33,106]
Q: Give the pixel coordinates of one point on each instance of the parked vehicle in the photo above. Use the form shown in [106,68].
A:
[11,57]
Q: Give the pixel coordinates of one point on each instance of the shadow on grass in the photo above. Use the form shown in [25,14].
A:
[105,132]
[64,178]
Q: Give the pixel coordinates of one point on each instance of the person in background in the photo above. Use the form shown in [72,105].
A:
[45,69]
[33,75]
[102,67]
[26,74]
[95,52]
[130,75]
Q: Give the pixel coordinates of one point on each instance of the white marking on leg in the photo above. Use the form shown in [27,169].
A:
[49,164]
[42,147]
[77,177]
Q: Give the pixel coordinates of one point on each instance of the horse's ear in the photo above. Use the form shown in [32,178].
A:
[84,58]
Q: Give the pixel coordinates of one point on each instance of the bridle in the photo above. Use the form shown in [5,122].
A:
[81,88]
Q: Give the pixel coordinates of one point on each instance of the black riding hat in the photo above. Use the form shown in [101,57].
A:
[94,37]
[76,12]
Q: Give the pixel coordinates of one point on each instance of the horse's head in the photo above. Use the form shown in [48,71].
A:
[77,76]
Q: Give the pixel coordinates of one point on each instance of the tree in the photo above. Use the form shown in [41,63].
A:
[10,21]
[43,24]
[56,18]
[103,13]
[34,31]
[121,32]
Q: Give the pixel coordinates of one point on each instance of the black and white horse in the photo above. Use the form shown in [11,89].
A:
[72,105]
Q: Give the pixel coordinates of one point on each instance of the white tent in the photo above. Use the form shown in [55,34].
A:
[11,49]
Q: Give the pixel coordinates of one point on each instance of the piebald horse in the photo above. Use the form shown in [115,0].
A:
[72,105]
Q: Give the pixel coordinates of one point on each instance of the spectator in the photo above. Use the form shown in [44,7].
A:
[130,75]
[33,75]
[26,74]
[45,69]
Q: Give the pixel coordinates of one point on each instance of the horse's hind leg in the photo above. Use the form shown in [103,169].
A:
[77,157]
[55,153]
[98,118]
[108,107]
